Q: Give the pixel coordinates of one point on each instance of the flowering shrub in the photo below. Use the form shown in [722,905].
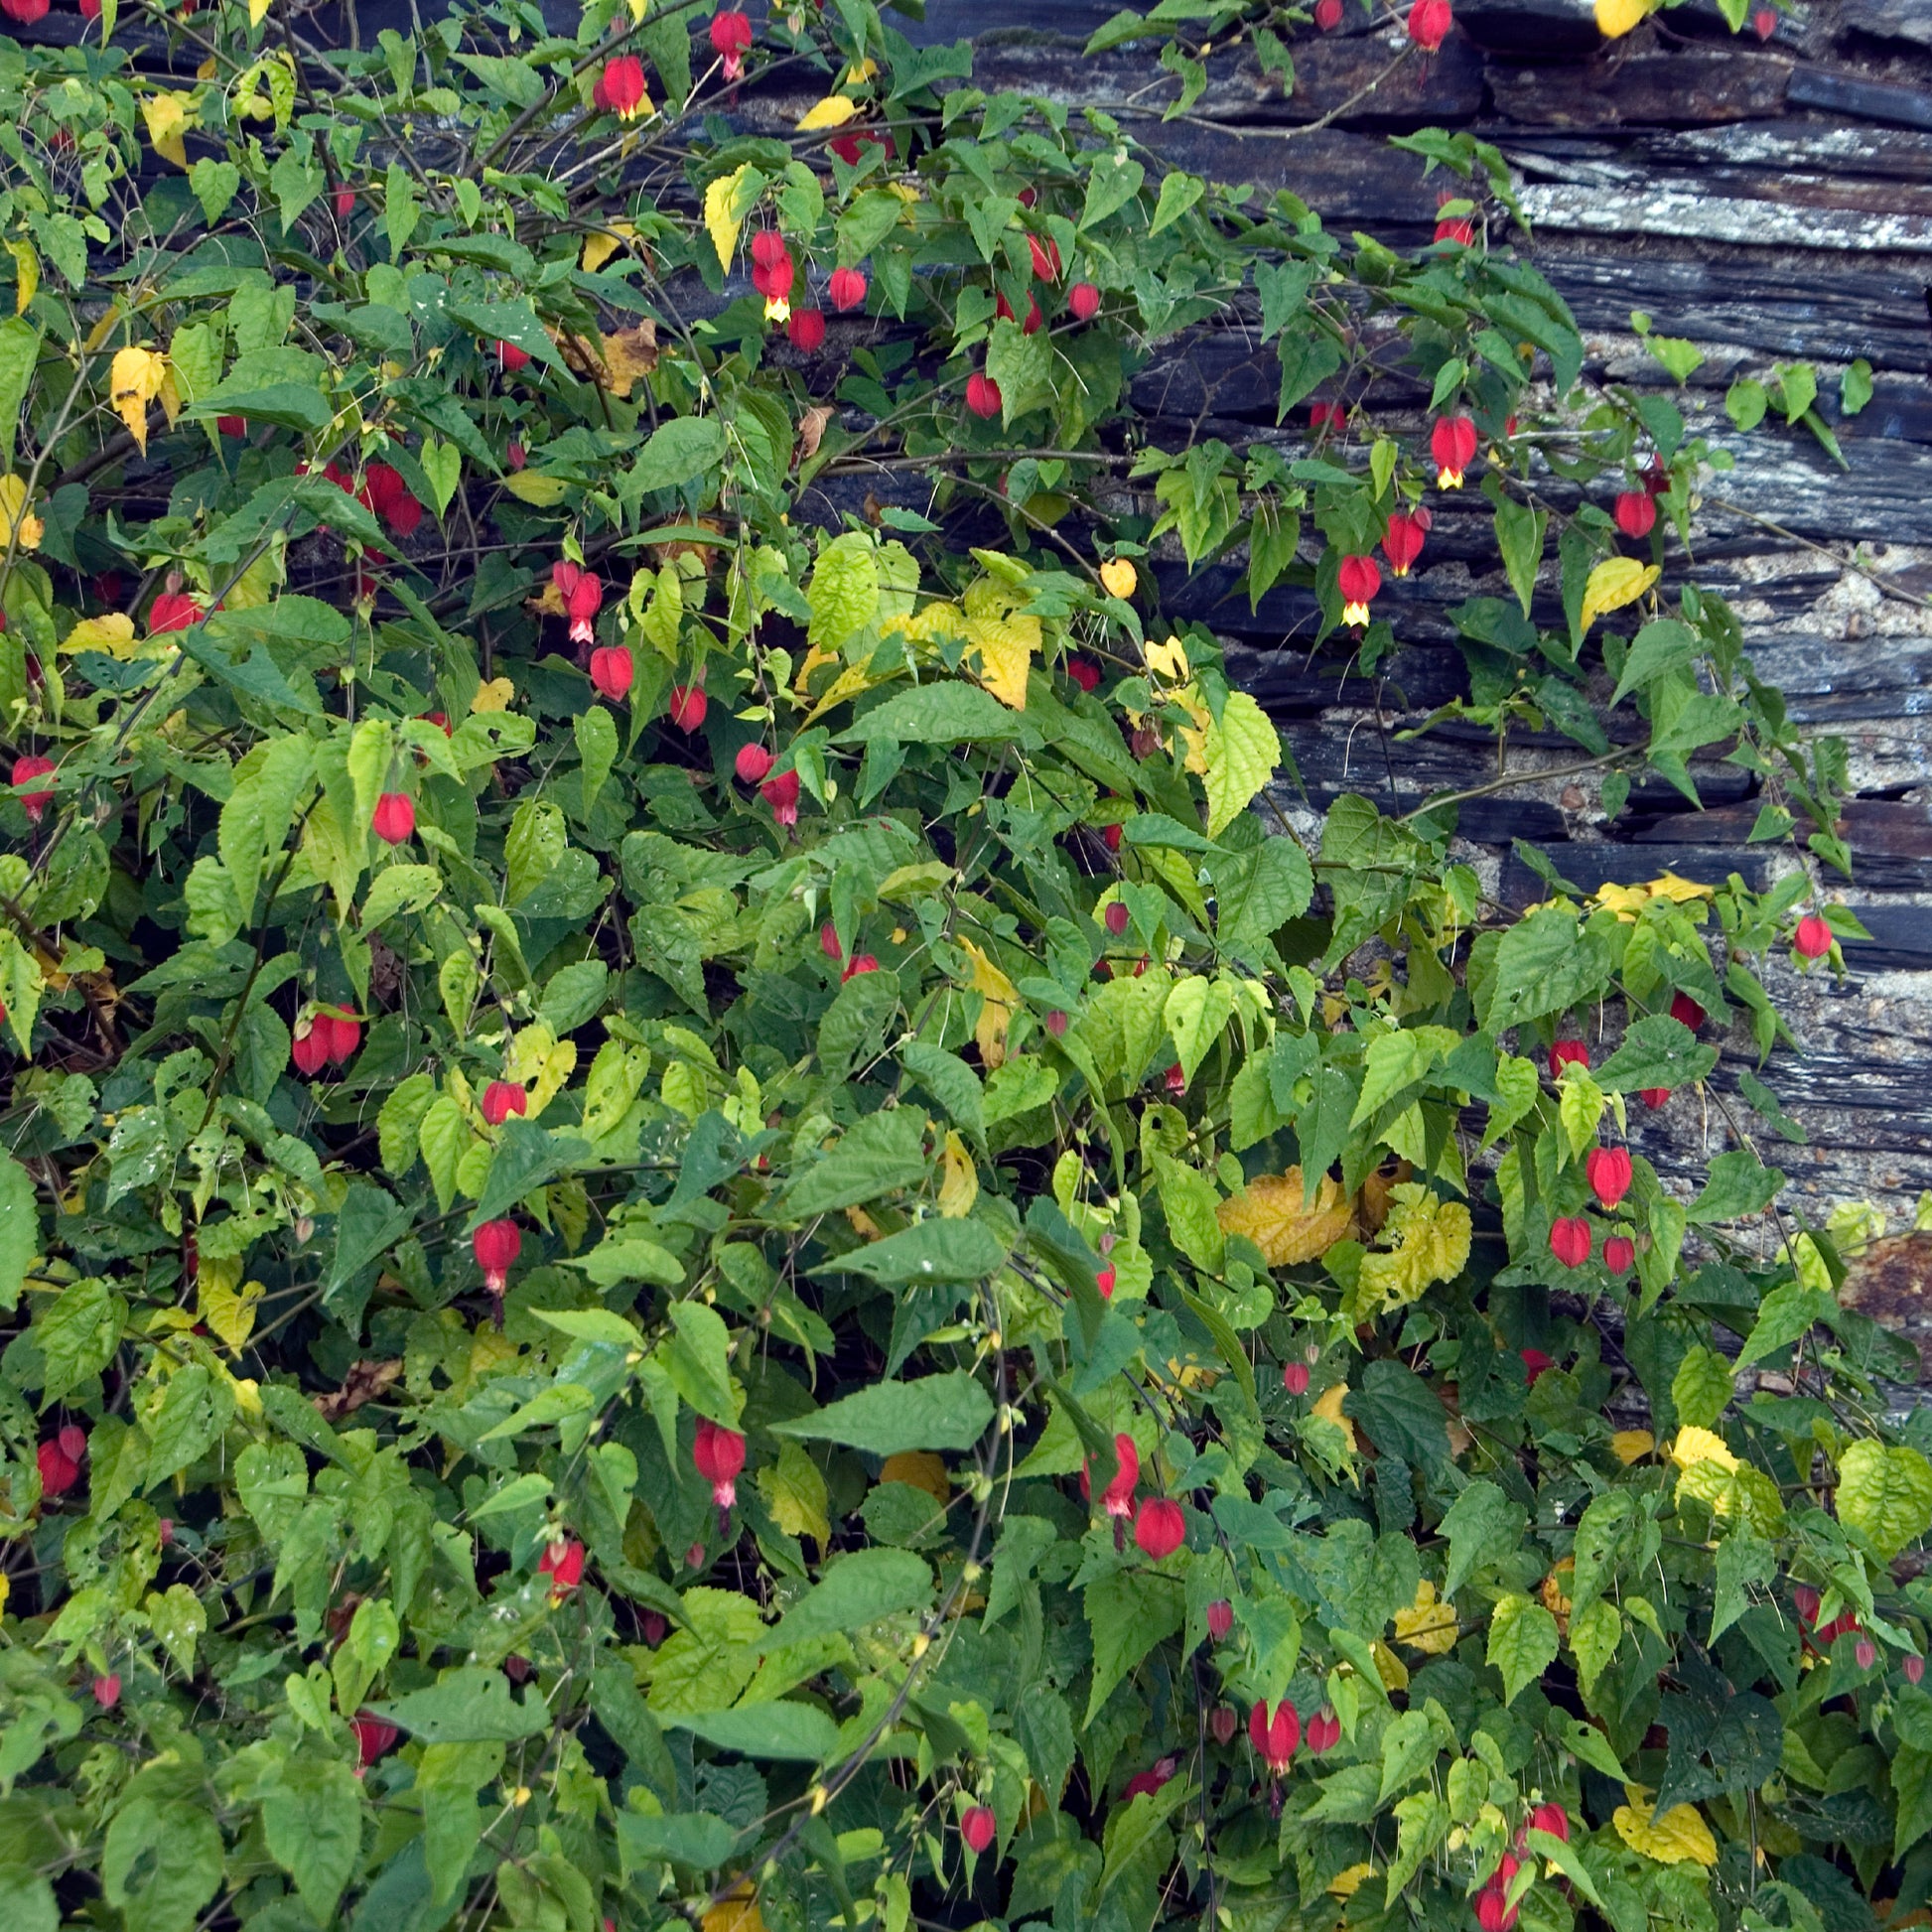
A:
[700,1226]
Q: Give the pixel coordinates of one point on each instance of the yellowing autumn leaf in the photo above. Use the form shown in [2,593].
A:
[1430,1238]
[167,118]
[1169,661]
[738,1913]
[630,355]
[113,633]
[1426,1625]
[533,487]
[959,1180]
[19,528]
[230,1312]
[1242,751]
[1272,1213]
[1119,578]
[1346,1885]
[724,213]
[1328,1408]
[794,1492]
[258,12]
[602,243]
[921,1469]
[1615,18]
[1680,1836]
[1390,1668]
[1000,999]
[133,382]
[833,111]
[1632,1445]
[1615,582]
[27,274]
[1006,644]
[1695,1446]
[493,694]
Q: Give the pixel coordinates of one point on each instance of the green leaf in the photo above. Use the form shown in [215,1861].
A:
[1129,1613]
[19,1231]
[470,1703]
[1114,179]
[790,1732]
[1663,645]
[856,1590]
[1522,1642]
[19,347]
[1483,1527]
[937,713]
[79,1334]
[699,1361]
[312,1820]
[1179,192]
[1595,1633]
[932,1250]
[1746,402]
[161,1862]
[1519,533]
[1188,1199]
[1786,1313]
[1242,752]
[1024,367]
[1656,1051]
[1701,1390]
[950,1081]
[879,1155]
[1739,1184]
[1884,1495]
[1855,387]
[679,452]
[937,1412]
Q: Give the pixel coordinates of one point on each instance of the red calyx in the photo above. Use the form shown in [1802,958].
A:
[497,1245]
[1686,1010]
[108,1689]
[373,1736]
[1429,24]
[1223,1722]
[865,962]
[619,90]
[1764,22]
[731,39]
[806,328]
[501,1099]
[1083,300]
[1274,1737]
[1148,1783]
[1328,14]
[612,670]
[1403,543]
[751,763]
[1358,579]
[1220,1619]
[1619,1254]
[1567,1052]
[718,1454]
[1294,1377]
[688,705]
[1324,1732]
[309,1048]
[1117,1498]
[1571,1240]
[171,611]
[25,770]
[511,357]
[781,794]
[976,1827]
[1812,939]
[59,1472]
[1461,228]
[847,289]
[1536,1364]
[1046,257]
[1159,1527]
[1608,1172]
[1635,511]
[232,425]
[394,818]
[1084,672]
[1453,441]
[563,1563]
[982,396]
[1654,1097]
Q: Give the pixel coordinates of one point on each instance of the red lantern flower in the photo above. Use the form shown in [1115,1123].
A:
[806,328]
[1275,1737]
[1567,1052]
[1046,257]
[26,770]
[394,818]
[1118,1497]
[719,1454]
[1536,1364]
[976,1827]
[1552,1819]
[982,395]
[1493,1912]
[1764,22]
[373,1736]
[1460,228]
[563,1563]
[1654,1097]
[688,705]
[232,425]
[619,90]
[1147,1784]
[1914,1669]
[1608,1172]
[345,203]
[60,1470]
[1084,672]
[511,357]
[1812,939]
[1452,443]
[751,763]
[25,11]
[865,962]
[1220,1619]
[1294,1377]
[1159,1527]
[1105,1278]
[1619,1254]
[851,148]
[612,670]
[501,1099]
[340,1035]
[731,40]
[1686,1010]
[108,1689]
[847,289]
[1569,1240]
[1403,543]
[1083,300]
[1115,917]
[1328,14]
[781,794]
[1429,24]
[1324,1732]
[582,594]
[1635,512]
[1004,309]
[390,497]
[1358,580]
[171,611]
[497,1245]
[309,1045]
[516,455]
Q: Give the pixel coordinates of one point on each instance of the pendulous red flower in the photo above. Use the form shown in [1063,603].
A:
[1274,1737]
[1358,580]
[1403,543]
[1571,1240]
[1452,443]
[501,1099]
[1159,1527]
[719,1454]
[1608,1171]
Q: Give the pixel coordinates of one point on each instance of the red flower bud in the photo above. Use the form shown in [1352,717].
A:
[982,396]
[1084,672]
[1083,300]
[1403,543]
[688,705]
[1223,1721]
[1569,1240]
[1619,1254]
[1764,22]
[108,1689]
[373,1736]
[511,357]
[1453,441]
[1046,257]
[394,818]
[1115,917]
[1686,1010]
[497,1245]
[1220,1619]
[781,794]
[501,1099]
[1057,1023]
[751,763]
[1429,22]
[1294,1377]
[1159,1529]
[1608,1171]
[1552,1819]
[1865,1652]
[232,425]
[309,1045]
[1110,837]
[806,328]
[26,770]
[1654,1097]
[1328,14]
[1274,1737]
[171,611]
[976,1827]
[59,1472]
[1567,1052]
[1324,1732]
[563,1563]
[865,962]
[1635,512]
[1536,1364]
[612,670]
[1812,941]
[1914,1669]
[847,289]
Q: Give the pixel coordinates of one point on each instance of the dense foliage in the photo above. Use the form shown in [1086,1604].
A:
[698,1227]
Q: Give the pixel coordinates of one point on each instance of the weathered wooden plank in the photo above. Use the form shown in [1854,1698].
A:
[1660,89]
[1891,20]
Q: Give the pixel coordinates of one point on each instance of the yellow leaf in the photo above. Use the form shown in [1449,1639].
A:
[959,1182]
[794,1492]
[1615,18]
[603,243]
[1393,1672]
[20,528]
[1680,891]
[113,633]
[258,12]
[630,355]
[1679,1836]
[1615,582]
[1169,661]
[1627,901]
[738,1913]
[133,382]
[1272,1213]
[859,72]
[1006,644]
[167,118]
[493,695]
[230,1312]
[724,215]
[833,111]
[1119,578]
[1426,1625]
[1695,1446]
[1242,751]
[1000,999]
[1328,1408]
[848,684]
[1346,1885]
[535,487]
[1632,1445]
[27,272]
[922,1469]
